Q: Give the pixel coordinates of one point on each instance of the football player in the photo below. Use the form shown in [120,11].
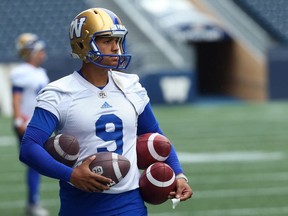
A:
[27,80]
[105,110]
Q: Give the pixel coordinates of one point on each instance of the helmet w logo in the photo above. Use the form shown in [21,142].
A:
[76,27]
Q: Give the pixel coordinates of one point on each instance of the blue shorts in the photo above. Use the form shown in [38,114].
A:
[75,202]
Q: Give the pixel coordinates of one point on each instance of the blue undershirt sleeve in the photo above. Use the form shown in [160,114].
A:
[17,89]
[32,152]
[147,123]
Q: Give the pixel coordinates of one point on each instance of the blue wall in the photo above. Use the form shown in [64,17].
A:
[175,87]
[278,73]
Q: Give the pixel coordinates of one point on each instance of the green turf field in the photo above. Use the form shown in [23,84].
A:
[235,155]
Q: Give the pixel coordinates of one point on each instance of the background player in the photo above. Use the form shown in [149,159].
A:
[105,110]
[27,80]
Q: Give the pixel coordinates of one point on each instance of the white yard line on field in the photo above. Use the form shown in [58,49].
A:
[22,203]
[240,178]
[7,141]
[235,156]
[240,192]
[45,186]
[261,211]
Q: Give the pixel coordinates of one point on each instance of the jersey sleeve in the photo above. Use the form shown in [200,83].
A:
[55,101]
[18,81]
[147,123]
[32,151]
[17,89]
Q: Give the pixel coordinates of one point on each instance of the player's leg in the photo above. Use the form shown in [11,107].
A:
[139,212]
[33,182]
[134,204]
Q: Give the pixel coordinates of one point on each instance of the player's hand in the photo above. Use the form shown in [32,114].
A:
[20,124]
[84,179]
[21,129]
[183,190]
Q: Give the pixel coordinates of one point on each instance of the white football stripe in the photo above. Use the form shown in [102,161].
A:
[60,151]
[156,182]
[152,150]
[116,166]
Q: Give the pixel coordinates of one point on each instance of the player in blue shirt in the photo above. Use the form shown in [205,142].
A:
[105,110]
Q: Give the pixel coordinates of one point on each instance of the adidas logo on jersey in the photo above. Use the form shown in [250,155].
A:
[106,105]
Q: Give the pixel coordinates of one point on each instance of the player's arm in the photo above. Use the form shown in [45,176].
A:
[32,152]
[147,123]
[18,119]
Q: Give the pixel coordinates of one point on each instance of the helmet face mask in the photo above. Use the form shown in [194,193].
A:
[92,24]
[96,57]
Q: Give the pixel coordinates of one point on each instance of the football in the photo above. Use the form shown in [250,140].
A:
[63,148]
[156,182]
[151,148]
[110,165]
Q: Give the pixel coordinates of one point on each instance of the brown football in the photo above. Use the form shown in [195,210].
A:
[156,182]
[63,148]
[110,165]
[151,148]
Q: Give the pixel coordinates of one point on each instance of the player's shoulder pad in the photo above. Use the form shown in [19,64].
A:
[56,91]
[130,86]
[67,84]
[127,82]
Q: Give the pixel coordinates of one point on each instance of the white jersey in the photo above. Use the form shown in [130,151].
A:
[101,119]
[32,80]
